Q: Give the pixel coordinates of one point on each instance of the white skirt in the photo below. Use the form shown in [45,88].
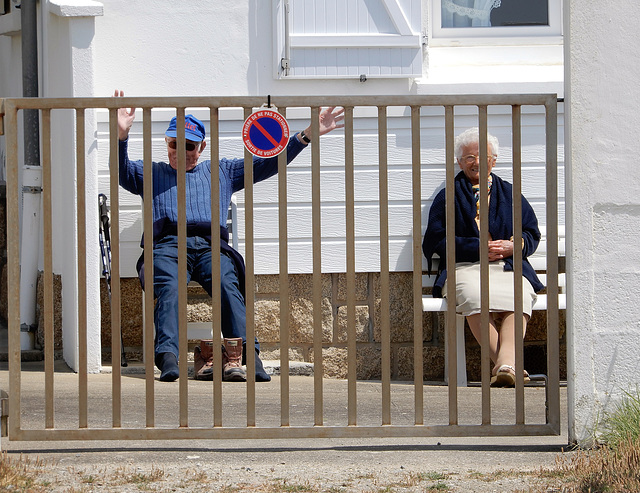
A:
[500,289]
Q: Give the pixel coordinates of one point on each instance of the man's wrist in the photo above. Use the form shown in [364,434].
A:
[303,138]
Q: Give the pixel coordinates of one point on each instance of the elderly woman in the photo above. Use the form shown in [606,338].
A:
[467,212]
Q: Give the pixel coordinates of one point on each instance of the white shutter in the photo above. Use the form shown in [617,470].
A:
[347,38]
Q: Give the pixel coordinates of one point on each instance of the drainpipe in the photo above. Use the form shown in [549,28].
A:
[31,178]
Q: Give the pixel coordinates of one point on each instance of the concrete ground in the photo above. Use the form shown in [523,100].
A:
[479,464]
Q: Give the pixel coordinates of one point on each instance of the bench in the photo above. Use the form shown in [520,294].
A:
[202,330]
[539,262]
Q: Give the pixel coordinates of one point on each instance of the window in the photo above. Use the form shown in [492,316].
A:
[486,19]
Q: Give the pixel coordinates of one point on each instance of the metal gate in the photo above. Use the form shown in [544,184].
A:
[415,418]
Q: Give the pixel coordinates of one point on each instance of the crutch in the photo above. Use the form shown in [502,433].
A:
[105,250]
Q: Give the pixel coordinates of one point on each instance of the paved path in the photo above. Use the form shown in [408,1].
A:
[362,464]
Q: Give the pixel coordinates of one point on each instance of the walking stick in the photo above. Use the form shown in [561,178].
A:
[105,250]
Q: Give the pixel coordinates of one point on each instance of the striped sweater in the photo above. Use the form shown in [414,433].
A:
[198,188]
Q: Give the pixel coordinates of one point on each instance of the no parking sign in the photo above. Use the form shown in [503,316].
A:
[265,133]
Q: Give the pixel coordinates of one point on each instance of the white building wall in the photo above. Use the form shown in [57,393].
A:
[153,47]
[68,72]
[603,209]
[332,184]
[66,69]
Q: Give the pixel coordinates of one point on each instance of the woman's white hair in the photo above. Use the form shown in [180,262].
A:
[471,136]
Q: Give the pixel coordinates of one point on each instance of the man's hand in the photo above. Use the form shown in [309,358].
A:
[330,119]
[125,118]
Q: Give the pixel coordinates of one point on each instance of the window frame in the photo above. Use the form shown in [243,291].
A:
[496,35]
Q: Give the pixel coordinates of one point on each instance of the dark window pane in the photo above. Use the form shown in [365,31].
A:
[521,13]
[494,13]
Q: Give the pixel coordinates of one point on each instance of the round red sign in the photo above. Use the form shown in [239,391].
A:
[265,133]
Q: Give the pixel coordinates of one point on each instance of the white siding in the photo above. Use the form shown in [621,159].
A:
[333,185]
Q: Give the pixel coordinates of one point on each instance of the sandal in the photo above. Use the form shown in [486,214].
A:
[504,377]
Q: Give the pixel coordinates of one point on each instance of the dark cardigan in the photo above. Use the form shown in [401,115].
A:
[468,235]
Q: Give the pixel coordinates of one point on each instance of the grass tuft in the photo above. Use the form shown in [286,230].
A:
[613,467]
[18,474]
[623,424]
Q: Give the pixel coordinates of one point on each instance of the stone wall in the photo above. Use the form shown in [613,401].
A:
[334,317]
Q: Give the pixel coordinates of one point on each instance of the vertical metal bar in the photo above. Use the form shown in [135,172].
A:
[250,284]
[115,265]
[418,372]
[451,320]
[48,269]
[148,268]
[284,287]
[484,267]
[352,355]
[216,293]
[82,272]
[316,227]
[182,267]
[385,322]
[553,343]
[13,265]
[517,259]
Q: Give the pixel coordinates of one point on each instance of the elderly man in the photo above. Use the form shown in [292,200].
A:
[198,209]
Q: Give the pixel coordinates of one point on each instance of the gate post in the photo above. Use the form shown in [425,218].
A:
[4,415]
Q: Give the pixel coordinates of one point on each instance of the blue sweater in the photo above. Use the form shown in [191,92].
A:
[467,233]
[198,188]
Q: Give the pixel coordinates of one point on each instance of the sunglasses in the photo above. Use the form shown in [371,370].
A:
[189,146]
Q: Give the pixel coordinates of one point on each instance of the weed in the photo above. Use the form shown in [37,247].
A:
[439,486]
[624,422]
[151,477]
[88,479]
[431,476]
[18,474]
[285,486]
[611,468]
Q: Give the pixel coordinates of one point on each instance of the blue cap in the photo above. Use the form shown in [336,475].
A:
[193,128]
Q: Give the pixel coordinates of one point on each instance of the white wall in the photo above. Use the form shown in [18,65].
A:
[603,211]
[66,69]
[153,47]
[266,233]
[69,56]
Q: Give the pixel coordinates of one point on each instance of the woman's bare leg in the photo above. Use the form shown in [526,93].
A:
[474,325]
[507,339]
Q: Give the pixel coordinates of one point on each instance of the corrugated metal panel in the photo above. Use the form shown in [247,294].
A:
[348,38]
[333,185]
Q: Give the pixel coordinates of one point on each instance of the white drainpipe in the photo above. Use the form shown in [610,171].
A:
[29,251]
[31,177]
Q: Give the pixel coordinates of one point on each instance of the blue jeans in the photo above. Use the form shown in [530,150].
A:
[165,277]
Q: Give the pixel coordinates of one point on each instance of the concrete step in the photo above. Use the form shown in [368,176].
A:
[271,367]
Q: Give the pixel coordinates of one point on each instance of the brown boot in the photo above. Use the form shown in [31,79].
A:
[203,360]
[232,370]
